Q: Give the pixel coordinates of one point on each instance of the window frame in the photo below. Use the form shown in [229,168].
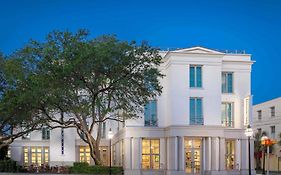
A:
[195,76]
[150,154]
[151,122]
[229,155]
[259,114]
[272,128]
[196,119]
[226,82]
[272,111]
[232,115]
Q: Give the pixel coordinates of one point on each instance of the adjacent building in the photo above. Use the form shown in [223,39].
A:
[196,126]
[267,120]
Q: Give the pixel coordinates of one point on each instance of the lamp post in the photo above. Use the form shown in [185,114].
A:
[249,133]
[265,142]
[110,135]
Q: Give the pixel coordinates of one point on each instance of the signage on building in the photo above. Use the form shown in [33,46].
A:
[247,110]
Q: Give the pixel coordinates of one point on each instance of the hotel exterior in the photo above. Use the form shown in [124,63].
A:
[196,126]
[267,118]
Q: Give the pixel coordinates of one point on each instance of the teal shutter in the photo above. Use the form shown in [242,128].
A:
[192,111]
[229,83]
[199,76]
[199,112]
[192,76]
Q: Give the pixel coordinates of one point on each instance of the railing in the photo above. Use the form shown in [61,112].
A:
[227,123]
[151,123]
[196,121]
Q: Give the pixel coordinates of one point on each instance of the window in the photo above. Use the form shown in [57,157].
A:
[272,128]
[62,141]
[230,154]
[103,135]
[45,133]
[196,113]
[227,82]
[195,76]
[259,131]
[84,154]
[39,155]
[259,114]
[227,114]
[150,154]
[150,113]
[114,154]
[25,156]
[272,111]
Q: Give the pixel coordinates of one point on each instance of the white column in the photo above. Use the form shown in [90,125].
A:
[222,154]
[215,153]
[136,153]
[172,153]
[208,154]
[163,153]
[238,154]
[181,154]
[244,155]
[128,153]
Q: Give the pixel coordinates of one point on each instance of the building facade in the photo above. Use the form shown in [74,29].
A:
[196,126]
[267,120]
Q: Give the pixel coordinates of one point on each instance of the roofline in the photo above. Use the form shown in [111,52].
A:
[267,101]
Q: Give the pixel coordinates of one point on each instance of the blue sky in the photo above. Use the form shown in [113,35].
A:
[254,26]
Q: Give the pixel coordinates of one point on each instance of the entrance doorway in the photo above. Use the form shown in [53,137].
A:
[192,155]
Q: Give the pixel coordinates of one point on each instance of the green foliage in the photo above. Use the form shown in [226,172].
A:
[3,152]
[9,166]
[84,168]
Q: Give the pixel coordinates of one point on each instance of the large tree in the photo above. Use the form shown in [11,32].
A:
[83,83]
[18,116]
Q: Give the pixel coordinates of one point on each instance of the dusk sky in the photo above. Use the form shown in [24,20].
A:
[254,26]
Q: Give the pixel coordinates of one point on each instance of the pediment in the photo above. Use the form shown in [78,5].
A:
[198,50]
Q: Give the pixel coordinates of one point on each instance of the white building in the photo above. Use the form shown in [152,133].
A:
[196,126]
[267,118]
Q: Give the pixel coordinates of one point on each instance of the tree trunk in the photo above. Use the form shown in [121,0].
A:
[94,149]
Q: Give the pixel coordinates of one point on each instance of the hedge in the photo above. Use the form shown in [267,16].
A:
[9,166]
[85,168]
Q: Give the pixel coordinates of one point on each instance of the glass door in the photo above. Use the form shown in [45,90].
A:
[192,155]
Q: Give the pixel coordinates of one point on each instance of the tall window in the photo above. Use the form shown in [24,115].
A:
[259,114]
[196,113]
[272,128]
[227,82]
[45,133]
[230,154]
[39,155]
[150,154]
[150,113]
[272,111]
[25,156]
[62,141]
[227,114]
[195,76]
[84,154]
[103,135]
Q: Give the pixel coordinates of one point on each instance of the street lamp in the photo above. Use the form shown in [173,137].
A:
[110,136]
[249,133]
[264,140]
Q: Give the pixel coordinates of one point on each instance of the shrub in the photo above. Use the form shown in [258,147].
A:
[9,166]
[85,168]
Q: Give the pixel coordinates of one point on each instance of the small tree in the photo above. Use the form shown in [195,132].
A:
[83,83]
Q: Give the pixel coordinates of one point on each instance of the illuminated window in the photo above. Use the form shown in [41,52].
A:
[25,156]
[39,155]
[150,154]
[84,154]
[9,153]
[230,154]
